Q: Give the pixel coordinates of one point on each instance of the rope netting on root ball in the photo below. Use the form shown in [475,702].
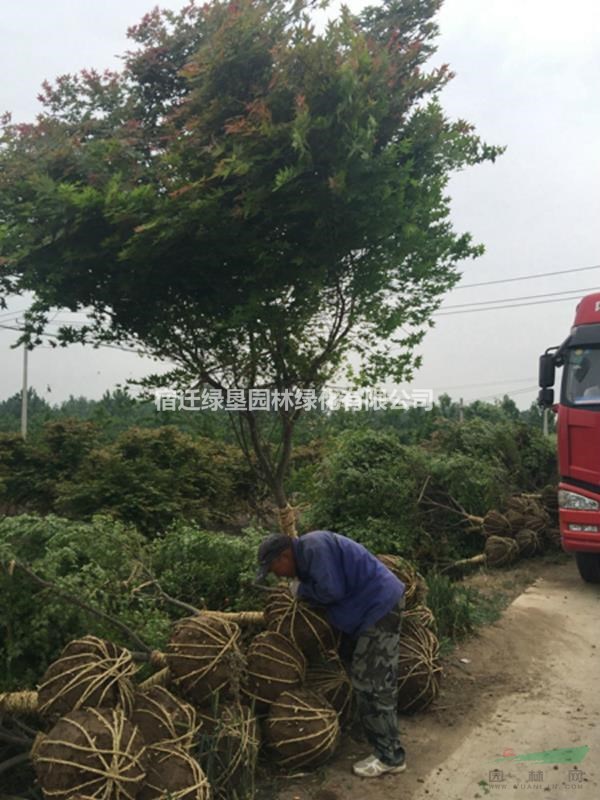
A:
[204,657]
[419,669]
[500,551]
[227,748]
[331,681]
[164,718]
[416,587]
[273,664]
[305,625]
[419,616]
[173,775]
[302,729]
[97,753]
[90,672]
[528,542]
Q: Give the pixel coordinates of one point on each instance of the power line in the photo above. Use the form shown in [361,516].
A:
[522,297]
[526,277]
[508,394]
[497,308]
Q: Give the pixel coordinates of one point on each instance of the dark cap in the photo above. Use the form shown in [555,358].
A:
[268,550]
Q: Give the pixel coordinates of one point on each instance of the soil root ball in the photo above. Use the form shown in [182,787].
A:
[227,749]
[89,673]
[164,718]
[94,752]
[528,543]
[419,616]
[416,587]
[173,775]
[302,729]
[305,625]
[501,551]
[204,657]
[332,682]
[273,664]
[419,670]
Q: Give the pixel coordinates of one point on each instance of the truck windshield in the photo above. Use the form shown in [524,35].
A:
[581,379]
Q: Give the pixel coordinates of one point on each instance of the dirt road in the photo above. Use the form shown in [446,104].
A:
[520,719]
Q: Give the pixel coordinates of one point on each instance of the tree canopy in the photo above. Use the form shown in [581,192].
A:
[249,198]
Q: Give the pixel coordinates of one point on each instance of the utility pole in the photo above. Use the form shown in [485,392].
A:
[545,421]
[24,395]
[461,411]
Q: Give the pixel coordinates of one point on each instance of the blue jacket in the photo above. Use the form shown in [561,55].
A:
[355,588]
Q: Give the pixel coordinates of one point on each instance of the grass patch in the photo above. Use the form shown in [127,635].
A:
[459,609]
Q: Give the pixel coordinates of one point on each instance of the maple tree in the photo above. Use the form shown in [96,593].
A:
[253,200]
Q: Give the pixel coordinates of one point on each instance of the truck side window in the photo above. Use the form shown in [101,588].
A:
[582,376]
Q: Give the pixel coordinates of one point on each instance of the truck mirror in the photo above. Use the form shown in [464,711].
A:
[547,371]
[546,397]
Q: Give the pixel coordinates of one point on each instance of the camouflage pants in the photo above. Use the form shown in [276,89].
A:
[374,673]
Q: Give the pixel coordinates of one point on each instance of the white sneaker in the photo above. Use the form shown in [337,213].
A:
[372,767]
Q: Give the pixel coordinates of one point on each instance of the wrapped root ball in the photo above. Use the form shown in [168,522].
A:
[204,657]
[416,587]
[173,775]
[302,729]
[528,543]
[305,625]
[419,616]
[273,664]
[551,537]
[95,753]
[517,520]
[90,672]
[500,551]
[496,524]
[164,718]
[227,749]
[419,670]
[331,681]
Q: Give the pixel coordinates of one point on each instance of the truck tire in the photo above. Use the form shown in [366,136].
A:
[588,565]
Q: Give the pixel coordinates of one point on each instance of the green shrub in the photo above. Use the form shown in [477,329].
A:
[150,477]
[207,569]
[367,487]
[94,562]
[528,457]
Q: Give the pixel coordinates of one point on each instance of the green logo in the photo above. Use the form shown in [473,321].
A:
[563,755]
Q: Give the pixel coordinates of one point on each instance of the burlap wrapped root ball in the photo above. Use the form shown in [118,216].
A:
[164,718]
[90,672]
[93,752]
[528,542]
[173,774]
[331,681]
[227,748]
[305,625]
[416,587]
[204,657]
[419,669]
[302,729]
[273,664]
[500,551]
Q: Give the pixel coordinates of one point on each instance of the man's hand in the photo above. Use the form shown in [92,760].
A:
[294,585]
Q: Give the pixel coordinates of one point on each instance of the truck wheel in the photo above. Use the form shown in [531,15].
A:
[588,565]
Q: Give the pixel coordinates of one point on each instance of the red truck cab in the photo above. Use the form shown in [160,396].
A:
[578,429]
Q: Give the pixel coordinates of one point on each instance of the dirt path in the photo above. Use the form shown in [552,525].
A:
[531,684]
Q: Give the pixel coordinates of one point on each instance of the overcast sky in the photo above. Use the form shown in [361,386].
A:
[527,75]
